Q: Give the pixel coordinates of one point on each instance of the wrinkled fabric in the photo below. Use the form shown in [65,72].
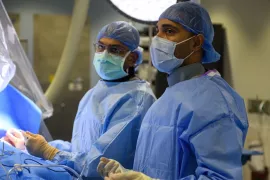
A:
[126,34]
[196,130]
[14,156]
[194,18]
[107,124]
[61,145]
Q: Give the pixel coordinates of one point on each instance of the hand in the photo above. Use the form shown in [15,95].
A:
[16,138]
[36,145]
[6,140]
[107,166]
[129,175]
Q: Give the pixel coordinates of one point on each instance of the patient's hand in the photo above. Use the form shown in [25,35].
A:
[6,140]
[16,138]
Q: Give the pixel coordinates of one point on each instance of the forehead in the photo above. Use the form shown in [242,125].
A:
[166,22]
[110,41]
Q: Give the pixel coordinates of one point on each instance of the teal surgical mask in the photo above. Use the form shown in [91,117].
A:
[109,66]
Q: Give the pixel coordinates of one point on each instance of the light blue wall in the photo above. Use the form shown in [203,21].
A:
[100,14]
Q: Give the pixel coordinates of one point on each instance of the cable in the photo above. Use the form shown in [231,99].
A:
[3,153]
[8,174]
[81,175]
[20,166]
[13,166]
[4,168]
[40,164]
[73,174]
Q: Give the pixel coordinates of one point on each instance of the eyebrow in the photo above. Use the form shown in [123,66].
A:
[168,26]
[114,45]
[110,44]
[99,42]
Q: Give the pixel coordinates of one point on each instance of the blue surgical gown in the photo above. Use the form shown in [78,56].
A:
[107,124]
[196,130]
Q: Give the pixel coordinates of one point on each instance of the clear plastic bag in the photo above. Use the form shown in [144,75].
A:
[25,79]
[7,67]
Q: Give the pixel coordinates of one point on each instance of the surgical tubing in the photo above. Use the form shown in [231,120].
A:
[17,166]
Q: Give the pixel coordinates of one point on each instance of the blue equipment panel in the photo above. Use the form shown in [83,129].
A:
[18,111]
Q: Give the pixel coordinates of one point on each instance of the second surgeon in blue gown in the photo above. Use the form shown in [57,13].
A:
[110,114]
[197,129]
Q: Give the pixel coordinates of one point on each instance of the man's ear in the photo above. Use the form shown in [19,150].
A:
[198,42]
[132,59]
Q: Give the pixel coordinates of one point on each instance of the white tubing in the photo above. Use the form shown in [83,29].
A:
[79,17]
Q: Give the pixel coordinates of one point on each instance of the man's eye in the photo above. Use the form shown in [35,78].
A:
[100,47]
[169,31]
[114,50]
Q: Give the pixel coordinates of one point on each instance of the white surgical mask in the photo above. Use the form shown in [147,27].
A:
[162,54]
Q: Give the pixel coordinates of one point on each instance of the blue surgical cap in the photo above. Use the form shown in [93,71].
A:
[194,18]
[125,33]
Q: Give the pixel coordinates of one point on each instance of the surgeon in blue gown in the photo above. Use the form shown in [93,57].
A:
[197,129]
[110,114]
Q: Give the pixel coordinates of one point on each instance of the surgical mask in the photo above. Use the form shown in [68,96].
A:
[162,54]
[109,66]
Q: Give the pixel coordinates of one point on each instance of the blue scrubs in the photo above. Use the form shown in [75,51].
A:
[107,124]
[196,130]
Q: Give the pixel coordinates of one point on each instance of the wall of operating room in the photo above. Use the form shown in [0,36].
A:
[247,24]
[247,62]
[100,14]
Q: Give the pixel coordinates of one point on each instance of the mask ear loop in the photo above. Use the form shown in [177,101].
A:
[124,60]
[189,55]
[140,52]
[184,42]
[140,55]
